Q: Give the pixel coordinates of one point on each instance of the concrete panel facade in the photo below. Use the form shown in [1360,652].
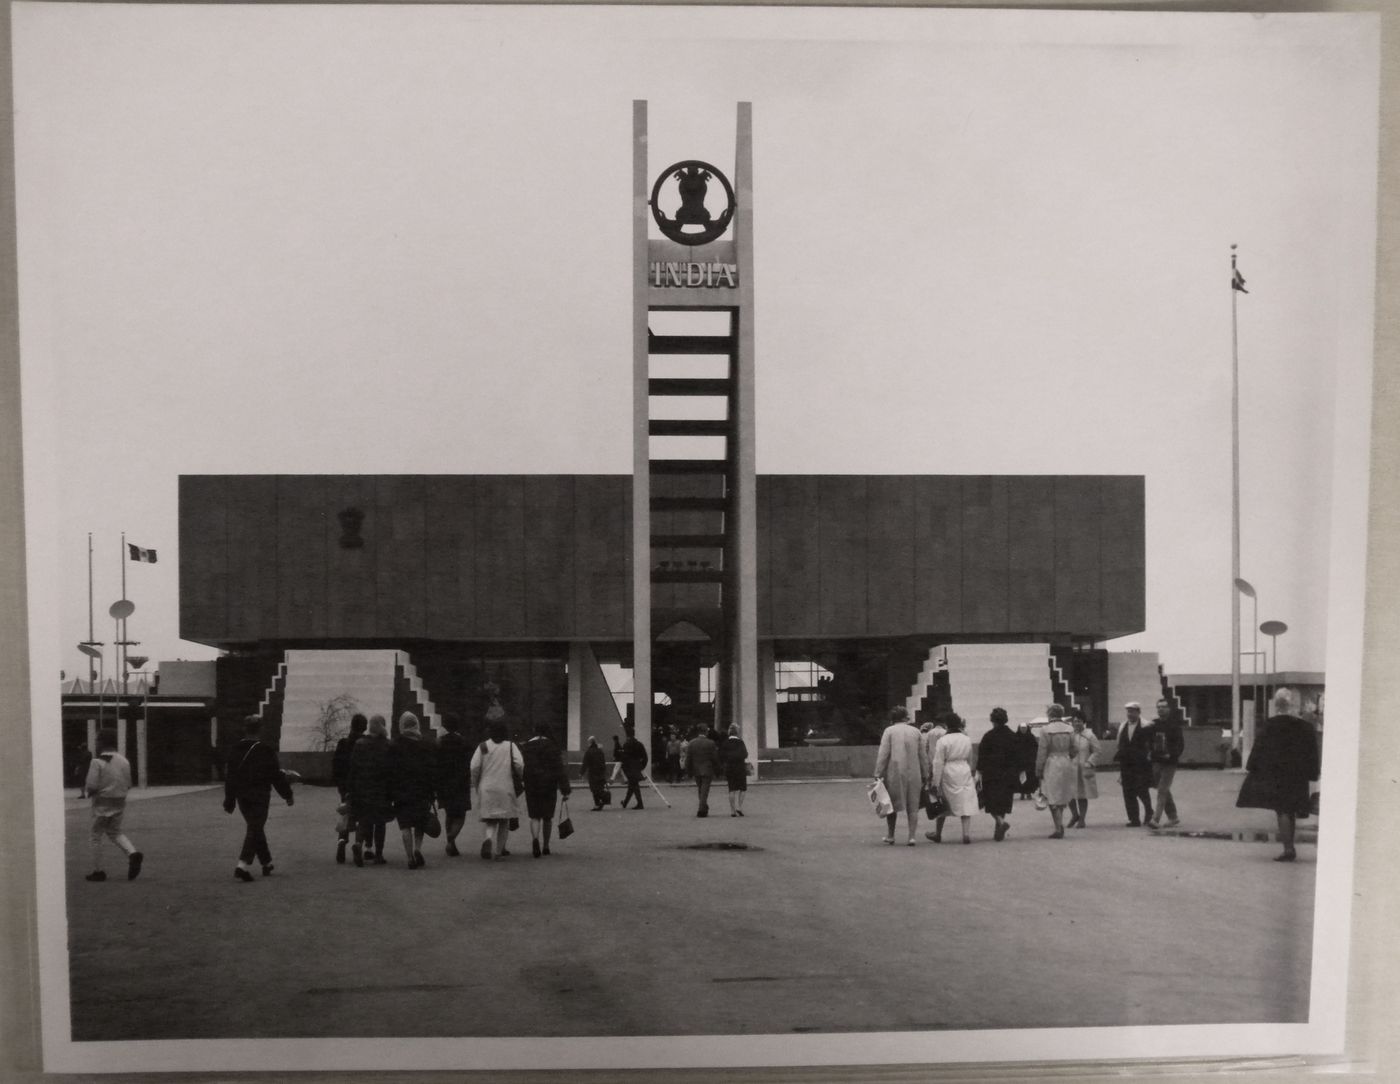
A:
[548,557]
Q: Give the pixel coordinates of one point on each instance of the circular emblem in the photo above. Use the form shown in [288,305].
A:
[694,223]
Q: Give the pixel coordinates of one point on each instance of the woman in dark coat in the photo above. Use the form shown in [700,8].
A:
[454,758]
[367,788]
[595,770]
[734,758]
[999,764]
[412,785]
[545,779]
[1284,760]
[1027,752]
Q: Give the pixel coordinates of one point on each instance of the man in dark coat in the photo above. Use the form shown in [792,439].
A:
[634,763]
[1135,765]
[595,770]
[454,758]
[412,785]
[704,766]
[253,771]
[340,772]
[1168,744]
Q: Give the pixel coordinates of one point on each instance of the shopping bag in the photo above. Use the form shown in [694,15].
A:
[1041,802]
[880,799]
[566,823]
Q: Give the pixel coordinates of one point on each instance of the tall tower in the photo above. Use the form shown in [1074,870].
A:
[694,575]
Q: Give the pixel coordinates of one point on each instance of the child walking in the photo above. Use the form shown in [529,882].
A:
[107,781]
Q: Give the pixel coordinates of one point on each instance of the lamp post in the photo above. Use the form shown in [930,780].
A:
[1246,588]
[1273,630]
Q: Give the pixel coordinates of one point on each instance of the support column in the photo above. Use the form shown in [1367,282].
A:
[142,763]
[641,441]
[92,736]
[744,646]
[574,733]
[214,767]
[768,680]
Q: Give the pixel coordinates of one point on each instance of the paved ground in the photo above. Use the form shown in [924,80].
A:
[625,930]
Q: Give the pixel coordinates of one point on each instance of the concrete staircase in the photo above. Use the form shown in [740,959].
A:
[928,673]
[1133,675]
[986,676]
[364,678]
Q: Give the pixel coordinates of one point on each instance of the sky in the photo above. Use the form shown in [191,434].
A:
[284,239]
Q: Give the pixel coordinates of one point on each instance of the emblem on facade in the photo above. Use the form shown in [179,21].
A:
[350,521]
[695,221]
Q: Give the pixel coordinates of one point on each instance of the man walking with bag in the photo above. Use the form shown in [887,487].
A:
[253,772]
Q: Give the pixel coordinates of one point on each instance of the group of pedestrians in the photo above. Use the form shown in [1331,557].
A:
[939,770]
[936,768]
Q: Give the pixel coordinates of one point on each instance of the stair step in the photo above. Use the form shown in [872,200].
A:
[689,541]
[688,466]
[688,385]
[688,427]
[689,504]
[690,344]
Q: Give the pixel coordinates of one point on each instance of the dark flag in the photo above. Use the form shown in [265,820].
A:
[1237,281]
[138,554]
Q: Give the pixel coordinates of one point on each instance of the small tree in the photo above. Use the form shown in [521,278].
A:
[333,722]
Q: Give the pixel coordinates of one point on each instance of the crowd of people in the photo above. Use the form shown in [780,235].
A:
[426,789]
[937,769]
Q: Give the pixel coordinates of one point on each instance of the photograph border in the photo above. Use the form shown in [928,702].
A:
[1373,984]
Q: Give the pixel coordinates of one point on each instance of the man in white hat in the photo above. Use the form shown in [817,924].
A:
[1134,758]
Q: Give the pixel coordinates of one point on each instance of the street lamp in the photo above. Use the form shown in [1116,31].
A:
[1273,630]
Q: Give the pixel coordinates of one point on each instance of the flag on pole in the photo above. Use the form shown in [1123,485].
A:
[1237,281]
[138,554]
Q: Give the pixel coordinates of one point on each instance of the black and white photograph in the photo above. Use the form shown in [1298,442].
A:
[635,537]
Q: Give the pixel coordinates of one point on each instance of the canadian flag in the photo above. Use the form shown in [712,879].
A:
[138,554]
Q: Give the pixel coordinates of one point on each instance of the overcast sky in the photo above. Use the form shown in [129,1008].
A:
[280,239]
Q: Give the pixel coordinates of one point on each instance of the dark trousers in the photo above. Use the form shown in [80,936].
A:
[634,786]
[254,812]
[1137,789]
[599,787]
[702,784]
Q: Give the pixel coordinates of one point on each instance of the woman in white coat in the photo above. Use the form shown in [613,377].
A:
[902,765]
[1055,764]
[1086,751]
[952,776]
[496,769]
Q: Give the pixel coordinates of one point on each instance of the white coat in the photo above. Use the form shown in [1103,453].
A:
[952,773]
[493,779]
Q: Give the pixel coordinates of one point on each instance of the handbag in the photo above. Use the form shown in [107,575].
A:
[432,826]
[515,824]
[1041,802]
[566,823]
[934,805]
[880,799]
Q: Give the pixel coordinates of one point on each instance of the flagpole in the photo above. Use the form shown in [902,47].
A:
[1234,509]
[92,674]
[121,661]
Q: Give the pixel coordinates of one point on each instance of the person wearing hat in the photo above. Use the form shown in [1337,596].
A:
[1055,765]
[1134,760]
[634,757]
[412,785]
